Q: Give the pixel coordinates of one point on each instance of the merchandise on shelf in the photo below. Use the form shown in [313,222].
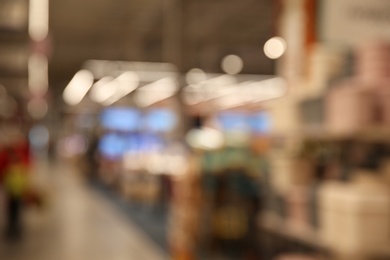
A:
[354,217]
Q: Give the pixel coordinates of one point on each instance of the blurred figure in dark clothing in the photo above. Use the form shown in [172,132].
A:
[15,186]
[91,157]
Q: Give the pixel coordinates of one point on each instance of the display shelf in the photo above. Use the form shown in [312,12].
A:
[273,223]
[366,133]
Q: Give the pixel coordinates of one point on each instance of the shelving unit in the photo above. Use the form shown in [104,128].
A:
[14,47]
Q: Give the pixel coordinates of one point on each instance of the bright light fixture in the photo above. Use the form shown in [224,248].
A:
[78,87]
[156,91]
[195,76]
[123,85]
[205,138]
[102,90]
[232,64]
[275,47]
[38,26]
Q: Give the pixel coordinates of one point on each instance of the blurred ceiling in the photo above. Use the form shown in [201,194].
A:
[188,33]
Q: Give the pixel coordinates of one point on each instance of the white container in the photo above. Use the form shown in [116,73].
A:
[355,218]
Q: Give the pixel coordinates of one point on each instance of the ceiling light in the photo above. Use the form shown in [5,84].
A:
[38,26]
[156,91]
[102,90]
[232,64]
[122,85]
[78,87]
[275,47]
[195,76]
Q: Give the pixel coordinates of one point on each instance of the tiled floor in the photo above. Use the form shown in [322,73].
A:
[78,224]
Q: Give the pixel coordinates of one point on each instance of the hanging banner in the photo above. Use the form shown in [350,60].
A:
[351,22]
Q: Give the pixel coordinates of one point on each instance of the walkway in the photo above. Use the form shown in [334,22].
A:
[78,224]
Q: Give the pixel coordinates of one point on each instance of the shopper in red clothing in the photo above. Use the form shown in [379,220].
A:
[22,149]
[4,160]
[3,168]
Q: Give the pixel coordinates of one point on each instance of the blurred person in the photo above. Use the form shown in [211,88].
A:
[15,187]
[92,155]
[3,163]
[3,167]
[22,149]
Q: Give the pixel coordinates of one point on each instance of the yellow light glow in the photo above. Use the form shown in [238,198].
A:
[123,85]
[232,64]
[205,138]
[195,76]
[193,95]
[38,27]
[78,87]
[102,90]
[156,91]
[268,89]
[230,101]
[275,47]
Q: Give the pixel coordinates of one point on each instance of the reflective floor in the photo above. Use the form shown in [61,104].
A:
[76,224]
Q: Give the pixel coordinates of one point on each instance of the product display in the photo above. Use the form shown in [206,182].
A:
[354,218]
[373,62]
[233,199]
[348,109]
[287,166]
